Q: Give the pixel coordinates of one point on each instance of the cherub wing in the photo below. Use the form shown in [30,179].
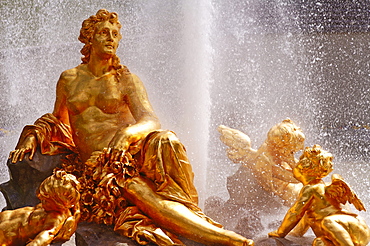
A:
[340,192]
[239,143]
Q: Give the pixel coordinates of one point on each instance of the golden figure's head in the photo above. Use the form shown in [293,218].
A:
[314,163]
[61,190]
[287,136]
[90,28]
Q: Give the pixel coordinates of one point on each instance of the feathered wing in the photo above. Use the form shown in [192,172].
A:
[339,192]
[239,143]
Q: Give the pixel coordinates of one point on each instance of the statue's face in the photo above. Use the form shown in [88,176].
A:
[106,38]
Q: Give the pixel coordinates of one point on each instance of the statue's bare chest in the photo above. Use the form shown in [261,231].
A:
[104,93]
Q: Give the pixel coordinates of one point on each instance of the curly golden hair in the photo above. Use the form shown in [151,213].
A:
[285,134]
[62,188]
[316,162]
[87,33]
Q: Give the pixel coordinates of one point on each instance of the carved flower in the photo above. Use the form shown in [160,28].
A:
[116,167]
[108,219]
[87,198]
[85,214]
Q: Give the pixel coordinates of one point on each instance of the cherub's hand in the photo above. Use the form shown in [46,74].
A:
[275,234]
[69,227]
[249,242]
[28,145]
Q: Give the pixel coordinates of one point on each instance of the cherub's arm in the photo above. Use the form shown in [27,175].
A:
[51,227]
[70,224]
[301,228]
[295,213]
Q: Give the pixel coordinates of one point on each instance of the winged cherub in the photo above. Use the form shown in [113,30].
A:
[272,163]
[321,203]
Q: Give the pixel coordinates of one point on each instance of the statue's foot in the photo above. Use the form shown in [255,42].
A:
[249,242]
[239,240]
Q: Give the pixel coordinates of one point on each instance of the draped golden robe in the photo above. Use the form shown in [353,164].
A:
[159,157]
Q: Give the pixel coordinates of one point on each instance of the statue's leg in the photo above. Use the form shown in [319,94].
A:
[164,161]
[345,230]
[301,228]
[321,241]
[176,217]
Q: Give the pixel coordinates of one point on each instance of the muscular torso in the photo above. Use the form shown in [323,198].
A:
[97,108]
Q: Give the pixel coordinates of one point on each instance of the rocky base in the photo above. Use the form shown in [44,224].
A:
[90,234]
[288,241]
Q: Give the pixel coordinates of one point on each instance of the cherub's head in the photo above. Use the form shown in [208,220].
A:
[314,163]
[286,136]
[61,190]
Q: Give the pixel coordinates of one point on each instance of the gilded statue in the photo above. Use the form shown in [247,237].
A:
[272,163]
[134,176]
[320,204]
[52,220]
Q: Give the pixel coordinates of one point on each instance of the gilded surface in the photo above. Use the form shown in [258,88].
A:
[319,204]
[55,218]
[272,163]
[133,175]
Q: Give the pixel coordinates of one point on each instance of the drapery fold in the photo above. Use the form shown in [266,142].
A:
[159,157]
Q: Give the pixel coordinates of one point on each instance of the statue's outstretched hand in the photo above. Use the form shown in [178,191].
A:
[114,154]
[28,145]
[119,145]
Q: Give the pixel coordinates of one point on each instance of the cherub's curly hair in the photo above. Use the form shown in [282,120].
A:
[316,162]
[62,188]
[87,33]
[285,133]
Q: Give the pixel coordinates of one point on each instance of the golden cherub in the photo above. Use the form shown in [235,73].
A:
[272,163]
[321,204]
[55,218]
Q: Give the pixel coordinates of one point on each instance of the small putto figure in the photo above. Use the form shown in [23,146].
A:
[272,163]
[320,204]
[55,218]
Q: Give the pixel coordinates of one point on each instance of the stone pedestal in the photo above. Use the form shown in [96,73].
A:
[90,234]
[288,241]
[26,177]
